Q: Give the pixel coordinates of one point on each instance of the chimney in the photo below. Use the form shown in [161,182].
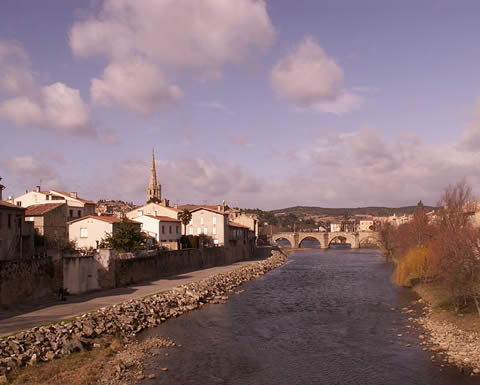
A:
[37,189]
[74,195]
[175,205]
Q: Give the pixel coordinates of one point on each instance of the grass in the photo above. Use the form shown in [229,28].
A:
[83,368]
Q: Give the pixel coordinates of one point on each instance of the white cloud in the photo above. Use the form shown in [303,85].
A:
[135,83]
[189,180]
[172,36]
[54,107]
[308,77]
[30,172]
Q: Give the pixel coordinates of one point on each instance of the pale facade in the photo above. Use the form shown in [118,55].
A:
[77,207]
[248,220]
[166,231]
[366,225]
[210,222]
[16,235]
[334,227]
[154,209]
[89,231]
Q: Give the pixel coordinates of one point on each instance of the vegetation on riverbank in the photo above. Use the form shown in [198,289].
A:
[441,253]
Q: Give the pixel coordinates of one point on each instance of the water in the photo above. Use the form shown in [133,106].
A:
[323,318]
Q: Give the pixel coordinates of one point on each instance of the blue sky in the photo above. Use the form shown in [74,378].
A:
[261,103]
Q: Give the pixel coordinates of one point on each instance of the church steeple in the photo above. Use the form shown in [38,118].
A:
[154,190]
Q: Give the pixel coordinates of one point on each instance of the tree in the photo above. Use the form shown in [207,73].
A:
[185,217]
[126,237]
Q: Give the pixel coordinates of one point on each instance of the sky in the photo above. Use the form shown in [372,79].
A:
[266,104]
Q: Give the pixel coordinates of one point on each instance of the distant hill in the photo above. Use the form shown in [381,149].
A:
[301,211]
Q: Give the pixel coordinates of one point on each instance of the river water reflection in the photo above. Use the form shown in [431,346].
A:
[323,318]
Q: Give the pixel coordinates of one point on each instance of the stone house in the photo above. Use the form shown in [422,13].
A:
[248,220]
[154,209]
[76,207]
[240,234]
[166,231]
[366,225]
[88,231]
[16,235]
[49,219]
[335,226]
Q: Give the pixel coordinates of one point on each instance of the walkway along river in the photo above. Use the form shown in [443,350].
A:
[323,318]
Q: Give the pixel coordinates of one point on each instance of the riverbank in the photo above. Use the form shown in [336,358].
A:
[454,339]
[91,332]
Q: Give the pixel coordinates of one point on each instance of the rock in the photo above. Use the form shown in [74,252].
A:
[3,380]
[50,355]
[151,376]
[164,369]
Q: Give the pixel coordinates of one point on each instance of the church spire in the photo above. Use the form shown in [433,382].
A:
[154,190]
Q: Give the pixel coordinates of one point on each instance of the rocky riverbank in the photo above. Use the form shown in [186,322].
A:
[46,343]
[452,344]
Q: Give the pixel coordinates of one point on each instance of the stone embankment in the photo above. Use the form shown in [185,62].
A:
[451,345]
[127,319]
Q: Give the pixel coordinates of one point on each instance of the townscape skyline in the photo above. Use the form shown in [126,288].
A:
[259,103]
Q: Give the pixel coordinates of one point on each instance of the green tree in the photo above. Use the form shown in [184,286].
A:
[126,237]
[185,217]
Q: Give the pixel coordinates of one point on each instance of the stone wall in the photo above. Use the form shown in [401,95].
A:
[131,269]
[80,274]
[25,280]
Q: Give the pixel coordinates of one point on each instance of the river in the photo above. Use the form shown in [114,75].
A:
[325,317]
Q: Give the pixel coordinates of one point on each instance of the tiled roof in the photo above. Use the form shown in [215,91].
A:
[9,205]
[162,218]
[77,198]
[42,208]
[237,225]
[191,207]
[208,209]
[99,217]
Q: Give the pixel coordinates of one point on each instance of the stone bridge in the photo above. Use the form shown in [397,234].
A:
[356,239]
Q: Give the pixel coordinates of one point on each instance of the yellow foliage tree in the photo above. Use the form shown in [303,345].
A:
[418,264]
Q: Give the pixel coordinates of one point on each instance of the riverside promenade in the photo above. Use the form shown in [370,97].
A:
[21,317]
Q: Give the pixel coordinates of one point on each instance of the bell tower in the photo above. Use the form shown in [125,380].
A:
[154,190]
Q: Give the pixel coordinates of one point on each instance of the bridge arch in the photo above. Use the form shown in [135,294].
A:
[317,243]
[283,240]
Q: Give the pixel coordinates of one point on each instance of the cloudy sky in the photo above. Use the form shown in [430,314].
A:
[265,104]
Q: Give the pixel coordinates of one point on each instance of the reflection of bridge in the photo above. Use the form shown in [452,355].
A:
[356,240]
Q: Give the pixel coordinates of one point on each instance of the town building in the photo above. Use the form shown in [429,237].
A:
[154,209]
[208,221]
[88,232]
[166,230]
[335,226]
[49,220]
[16,235]
[77,207]
[366,225]
[245,219]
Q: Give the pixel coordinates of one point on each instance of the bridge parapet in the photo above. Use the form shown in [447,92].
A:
[355,239]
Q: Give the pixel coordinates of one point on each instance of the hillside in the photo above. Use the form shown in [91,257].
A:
[302,211]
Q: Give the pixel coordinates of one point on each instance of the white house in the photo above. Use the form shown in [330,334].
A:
[366,225]
[167,231]
[335,226]
[154,209]
[88,231]
[210,222]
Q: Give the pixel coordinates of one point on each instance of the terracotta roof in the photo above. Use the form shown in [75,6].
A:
[101,218]
[237,225]
[208,209]
[77,198]
[9,205]
[162,218]
[42,208]
[191,207]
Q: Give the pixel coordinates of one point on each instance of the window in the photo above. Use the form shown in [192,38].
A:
[71,213]
[155,213]
[19,203]
[170,229]
[205,230]
[214,231]
[83,232]
[178,229]
[199,230]
[191,221]
[9,221]
[214,220]
[163,229]
[190,230]
[140,212]
[202,221]
[79,213]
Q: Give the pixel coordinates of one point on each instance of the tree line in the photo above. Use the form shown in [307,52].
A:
[442,251]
